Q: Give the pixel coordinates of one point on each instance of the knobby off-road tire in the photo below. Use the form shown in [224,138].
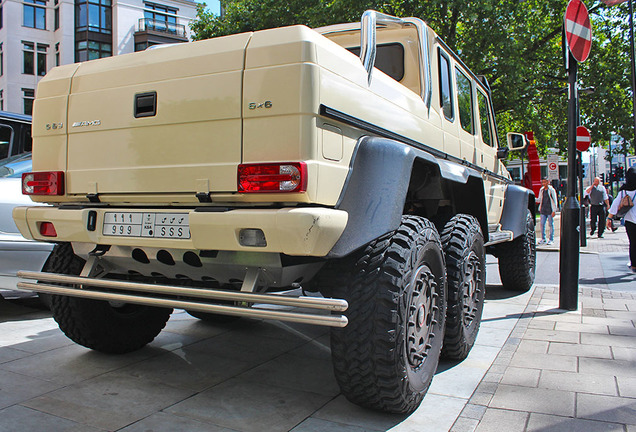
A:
[99,325]
[61,260]
[465,254]
[386,356]
[517,259]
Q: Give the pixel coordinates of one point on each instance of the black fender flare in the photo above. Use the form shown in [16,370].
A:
[517,201]
[375,189]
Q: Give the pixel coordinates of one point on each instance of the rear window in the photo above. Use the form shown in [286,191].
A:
[389,58]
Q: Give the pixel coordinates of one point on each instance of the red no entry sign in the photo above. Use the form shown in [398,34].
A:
[578,30]
[583,138]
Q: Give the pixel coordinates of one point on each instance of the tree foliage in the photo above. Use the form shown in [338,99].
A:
[516,44]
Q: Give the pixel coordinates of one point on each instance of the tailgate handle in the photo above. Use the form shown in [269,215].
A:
[145,104]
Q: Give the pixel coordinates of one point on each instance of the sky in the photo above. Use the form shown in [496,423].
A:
[214,6]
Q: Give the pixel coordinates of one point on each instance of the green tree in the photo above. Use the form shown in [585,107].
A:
[516,44]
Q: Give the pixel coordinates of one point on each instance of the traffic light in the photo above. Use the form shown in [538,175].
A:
[620,172]
[582,171]
[602,176]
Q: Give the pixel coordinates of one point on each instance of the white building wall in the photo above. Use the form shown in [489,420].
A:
[126,15]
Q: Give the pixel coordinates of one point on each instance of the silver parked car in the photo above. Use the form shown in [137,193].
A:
[16,252]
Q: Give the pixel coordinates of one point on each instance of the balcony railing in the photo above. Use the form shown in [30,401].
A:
[149,24]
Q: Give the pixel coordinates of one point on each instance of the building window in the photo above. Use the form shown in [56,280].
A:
[1,100]
[1,60]
[56,15]
[57,54]
[91,50]
[141,46]
[42,49]
[1,17]
[34,14]
[160,18]
[29,95]
[28,49]
[94,15]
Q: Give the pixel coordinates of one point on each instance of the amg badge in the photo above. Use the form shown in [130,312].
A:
[87,123]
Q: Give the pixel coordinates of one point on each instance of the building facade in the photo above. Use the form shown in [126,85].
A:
[37,35]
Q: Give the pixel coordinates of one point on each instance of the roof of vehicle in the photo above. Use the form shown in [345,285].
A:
[15,117]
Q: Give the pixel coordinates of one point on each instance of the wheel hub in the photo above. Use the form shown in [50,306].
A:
[422,308]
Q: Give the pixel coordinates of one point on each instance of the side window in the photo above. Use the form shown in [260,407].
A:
[464,101]
[445,92]
[484,118]
[6,135]
[389,59]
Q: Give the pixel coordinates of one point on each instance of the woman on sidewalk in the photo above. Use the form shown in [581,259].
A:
[629,188]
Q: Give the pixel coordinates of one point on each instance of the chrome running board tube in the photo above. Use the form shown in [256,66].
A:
[169,296]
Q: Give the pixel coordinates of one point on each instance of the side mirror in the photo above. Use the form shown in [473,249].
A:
[502,152]
[516,141]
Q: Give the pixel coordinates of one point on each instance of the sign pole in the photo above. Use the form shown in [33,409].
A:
[631,50]
[582,227]
[569,251]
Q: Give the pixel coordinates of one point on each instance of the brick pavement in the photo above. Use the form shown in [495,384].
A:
[564,370]
[533,368]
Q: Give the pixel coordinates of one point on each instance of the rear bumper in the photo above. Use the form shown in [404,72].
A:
[292,231]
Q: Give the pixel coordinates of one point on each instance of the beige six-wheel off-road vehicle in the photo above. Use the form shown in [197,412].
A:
[215,175]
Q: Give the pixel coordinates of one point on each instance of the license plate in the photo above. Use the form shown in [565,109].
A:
[156,225]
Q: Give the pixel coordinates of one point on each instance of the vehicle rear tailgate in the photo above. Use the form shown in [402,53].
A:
[191,142]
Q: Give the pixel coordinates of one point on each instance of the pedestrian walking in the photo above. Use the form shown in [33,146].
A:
[547,202]
[628,189]
[599,202]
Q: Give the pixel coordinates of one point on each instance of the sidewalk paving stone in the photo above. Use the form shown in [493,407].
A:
[606,367]
[611,340]
[19,418]
[163,422]
[627,386]
[552,335]
[606,408]
[545,361]
[568,349]
[578,382]
[252,407]
[543,422]
[498,420]
[108,402]
[539,400]
[521,377]
[620,353]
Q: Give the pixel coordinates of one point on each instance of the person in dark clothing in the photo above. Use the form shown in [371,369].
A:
[629,188]
[598,203]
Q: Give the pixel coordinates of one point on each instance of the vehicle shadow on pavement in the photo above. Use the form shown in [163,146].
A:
[22,309]
[498,292]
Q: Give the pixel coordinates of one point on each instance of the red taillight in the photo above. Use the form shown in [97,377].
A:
[272,177]
[47,229]
[43,183]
